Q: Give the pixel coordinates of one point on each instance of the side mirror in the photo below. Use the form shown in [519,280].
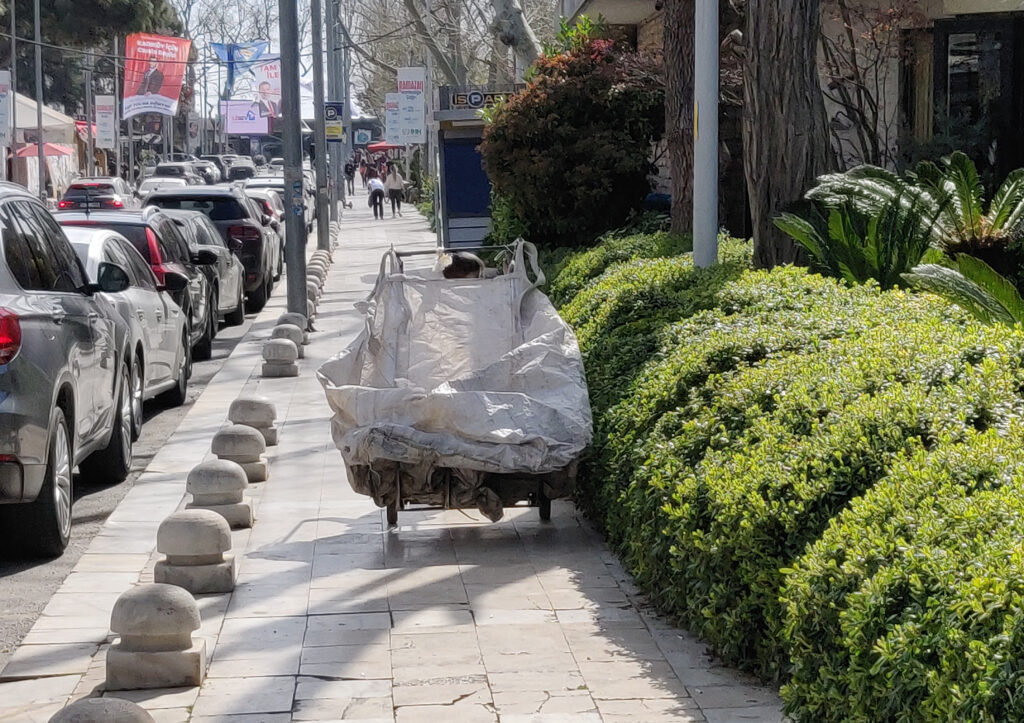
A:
[235,245]
[111,278]
[205,257]
[174,283]
[265,220]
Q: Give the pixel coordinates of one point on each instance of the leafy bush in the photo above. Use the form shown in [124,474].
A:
[570,153]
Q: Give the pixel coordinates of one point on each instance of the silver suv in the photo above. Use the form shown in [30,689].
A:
[65,395]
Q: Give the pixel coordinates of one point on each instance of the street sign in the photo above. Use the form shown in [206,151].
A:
[334,129]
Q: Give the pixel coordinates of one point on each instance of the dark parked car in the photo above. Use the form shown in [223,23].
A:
[239,171]
[227,276]
[218,161]
[105,192]
[180,169]
[237,218]
[65,390]
[161,244]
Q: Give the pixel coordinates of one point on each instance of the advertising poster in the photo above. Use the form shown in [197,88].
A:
[392,122]
[242,118]
[334,128]
[262,85]
[412,126]
[153,73]
[239,57]
[106,121]
[6,132]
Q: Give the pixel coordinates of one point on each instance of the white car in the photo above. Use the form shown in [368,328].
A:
[154,183]
[159,338]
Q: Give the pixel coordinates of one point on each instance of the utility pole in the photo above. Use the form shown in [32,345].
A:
[40,156]
[705,134]
[295,222]
[90,145]
[323,221]
[117,103]
[14,90]
[428,162]
[337,184]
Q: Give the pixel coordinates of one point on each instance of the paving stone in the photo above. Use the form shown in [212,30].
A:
[527,702]
[24,695]
[659,710]
[442,691]
[368,710]
[220,697]
[347,661]
[462,712]
[733,696]
[632,679]
[160,697]
[760,714]
[429,620]
[534,680]
[38,661]
[593,642]
[318,689]
[551,718]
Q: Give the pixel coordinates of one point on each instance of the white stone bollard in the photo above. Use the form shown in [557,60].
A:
[319,265]
[298,320]
[255,410]
[102,710]
[310,310]
[321,254]
[156,649]
[245,446]
[279,358]
[312,291]
[292,333]
[219,485]
[194,543]
[312,277]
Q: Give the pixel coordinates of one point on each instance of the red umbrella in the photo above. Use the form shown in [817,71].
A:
[382,146]
[49,149]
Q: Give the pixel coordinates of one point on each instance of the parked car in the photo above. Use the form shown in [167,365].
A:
[241,169]
[151,184]
[238,219]
[271,206]
[208,170]
[158,343]
[65,376]
[180,157]
[157,238]
[226,277]
[276,183]
[276,164]
[220,162]
[179,169]
[100,192]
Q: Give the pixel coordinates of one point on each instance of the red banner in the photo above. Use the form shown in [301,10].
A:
[153,73]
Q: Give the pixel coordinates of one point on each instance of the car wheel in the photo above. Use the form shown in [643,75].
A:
[138,383]
[44,528]
[280,263]
[114,462]
[215,313]
[177,395]
[258,298]
[237,317]
[204,347]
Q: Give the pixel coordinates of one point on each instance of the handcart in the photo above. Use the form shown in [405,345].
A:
[460,393]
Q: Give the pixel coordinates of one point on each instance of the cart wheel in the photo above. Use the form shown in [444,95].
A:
[543,504]
[393,514]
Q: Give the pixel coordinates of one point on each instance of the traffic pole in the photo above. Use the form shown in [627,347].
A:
[337,185]
[705,134]
[40,155]
[323,221]
[295,222]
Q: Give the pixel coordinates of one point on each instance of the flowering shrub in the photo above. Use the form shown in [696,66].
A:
[569,154]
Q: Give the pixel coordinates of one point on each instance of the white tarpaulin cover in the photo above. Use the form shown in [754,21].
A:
[454,382]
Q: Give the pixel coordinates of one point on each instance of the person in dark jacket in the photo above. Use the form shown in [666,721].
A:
[152,80]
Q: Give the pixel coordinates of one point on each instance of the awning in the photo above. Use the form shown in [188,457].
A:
[49,149]
[383,146]
[83,130]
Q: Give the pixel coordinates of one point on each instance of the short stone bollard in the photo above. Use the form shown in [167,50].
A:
[310,310]
[219,485]
[315,277]
[293,334]
[255,410]
[102,710]
[312,291]
[321,254]
[244,446]
[298,320]
[156,648]
[279,358]
[194,543]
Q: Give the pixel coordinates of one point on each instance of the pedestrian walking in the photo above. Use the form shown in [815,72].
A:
[376,187]
[394,184]
[350,176]
[362,171]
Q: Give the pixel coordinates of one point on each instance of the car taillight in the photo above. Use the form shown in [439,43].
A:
[244,233]
[10,336]
[111,203]
[156,260]
[65,204]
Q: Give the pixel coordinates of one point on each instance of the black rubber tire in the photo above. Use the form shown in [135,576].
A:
[237,317]
[177,395]
[203,349]
[36,529]
[215,312]
[392,514]
[113,463]
[280,264]
[258,297]
[543,504]
[138,378]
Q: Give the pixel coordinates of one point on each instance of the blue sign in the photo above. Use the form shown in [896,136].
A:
[334,130]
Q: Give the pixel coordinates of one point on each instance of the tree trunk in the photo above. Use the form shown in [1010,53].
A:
[679,29]
[785,136]
[512,28]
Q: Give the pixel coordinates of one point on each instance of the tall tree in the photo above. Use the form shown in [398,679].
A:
[785,135]
[679,30]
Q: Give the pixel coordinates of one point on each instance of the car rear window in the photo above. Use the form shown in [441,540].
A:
[83,189]
[134,233]
[169,171]
[221,208]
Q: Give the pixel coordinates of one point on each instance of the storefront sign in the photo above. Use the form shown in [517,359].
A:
[106,121]
[334,116]
[474,99]
[412,121]
[6,97]
[392,129]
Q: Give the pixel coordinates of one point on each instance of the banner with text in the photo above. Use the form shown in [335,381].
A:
[262,85]
[242,117]
[106,121]
[412,120]
[153,72]
[6,98]
[392,129]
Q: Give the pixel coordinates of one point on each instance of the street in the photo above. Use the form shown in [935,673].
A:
[27,585]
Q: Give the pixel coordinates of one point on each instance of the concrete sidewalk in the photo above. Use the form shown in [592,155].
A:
[446,618]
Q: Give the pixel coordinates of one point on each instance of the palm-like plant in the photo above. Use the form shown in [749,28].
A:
[974,286]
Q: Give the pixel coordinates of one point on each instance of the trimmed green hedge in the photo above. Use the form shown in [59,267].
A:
[749,429]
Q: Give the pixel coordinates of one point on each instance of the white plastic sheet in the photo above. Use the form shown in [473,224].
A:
[474,377]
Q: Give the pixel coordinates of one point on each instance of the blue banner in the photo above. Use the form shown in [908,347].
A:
[239,58]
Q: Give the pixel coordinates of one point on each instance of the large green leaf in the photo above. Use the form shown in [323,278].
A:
[967,193]
[958,289]
[994,283]
[1006,213]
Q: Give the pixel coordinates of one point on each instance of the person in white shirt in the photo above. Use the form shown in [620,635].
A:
[376,187]
[394,184]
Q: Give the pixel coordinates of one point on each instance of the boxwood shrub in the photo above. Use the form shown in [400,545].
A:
[776,458]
